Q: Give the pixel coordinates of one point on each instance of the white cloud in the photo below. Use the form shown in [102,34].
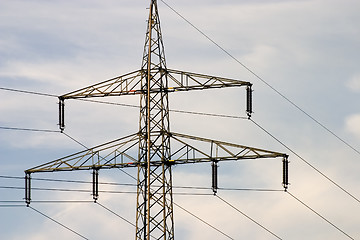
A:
[352,125]
[354,83]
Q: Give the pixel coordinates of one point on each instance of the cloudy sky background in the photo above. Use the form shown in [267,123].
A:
[307,49]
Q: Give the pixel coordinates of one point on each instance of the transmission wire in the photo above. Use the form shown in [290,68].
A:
[134,185]
[248,217]
[29,129]
[57,222]
[171,110]
[28,92]
[203,221]
[262,80]
[207,114]
[180,111]
[318,214]
[116,214]
[308,163]
[78,142]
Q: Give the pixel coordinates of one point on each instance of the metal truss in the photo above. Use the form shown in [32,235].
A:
[130,84]
[154,149]
[122,153]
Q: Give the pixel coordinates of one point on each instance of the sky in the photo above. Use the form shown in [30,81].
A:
[307,50]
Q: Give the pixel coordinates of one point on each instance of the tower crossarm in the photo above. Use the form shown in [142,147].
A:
[120,153]
[127,84]
[130,84]
[191,149]
[185,81]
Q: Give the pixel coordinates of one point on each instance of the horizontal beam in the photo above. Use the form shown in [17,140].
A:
[131,84]
[123,153]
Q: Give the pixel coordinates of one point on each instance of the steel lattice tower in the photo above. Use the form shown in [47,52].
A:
[154,192]
[153,82]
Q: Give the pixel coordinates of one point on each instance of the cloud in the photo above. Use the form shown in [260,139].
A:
[354,83]
[352,125]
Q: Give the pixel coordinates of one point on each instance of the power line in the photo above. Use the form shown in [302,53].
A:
[57,222]
[100,191]
[116,214]
[171,110]
[28,92]
[308,163]
[50,201]
[203,221]
[135,185]
[252,189]
[75,140]
[67,190]
[263,80]
[248,217]
[112,103]
[29,129]
[11,205]
[318,214]
[11,201]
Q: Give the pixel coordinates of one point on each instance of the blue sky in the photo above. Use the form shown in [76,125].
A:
[308,50]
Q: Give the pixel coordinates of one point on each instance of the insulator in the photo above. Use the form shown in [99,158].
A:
[285,173]
[95,184]
[214,176]
[61,114]
[27,189]
[249,101]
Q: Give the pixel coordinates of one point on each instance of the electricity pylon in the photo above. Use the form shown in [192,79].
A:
[154,156]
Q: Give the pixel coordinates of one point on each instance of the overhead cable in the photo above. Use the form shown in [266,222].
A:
[11,205]
[263,80]
[28,92]
[57,222]
[171,110]
[29,129]
[248,217]
[75,140]
[134,184]
[308,163]
[116,214]
[318,214]
[203,221]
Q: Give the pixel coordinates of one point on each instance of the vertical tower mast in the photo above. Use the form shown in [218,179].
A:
[154,215]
